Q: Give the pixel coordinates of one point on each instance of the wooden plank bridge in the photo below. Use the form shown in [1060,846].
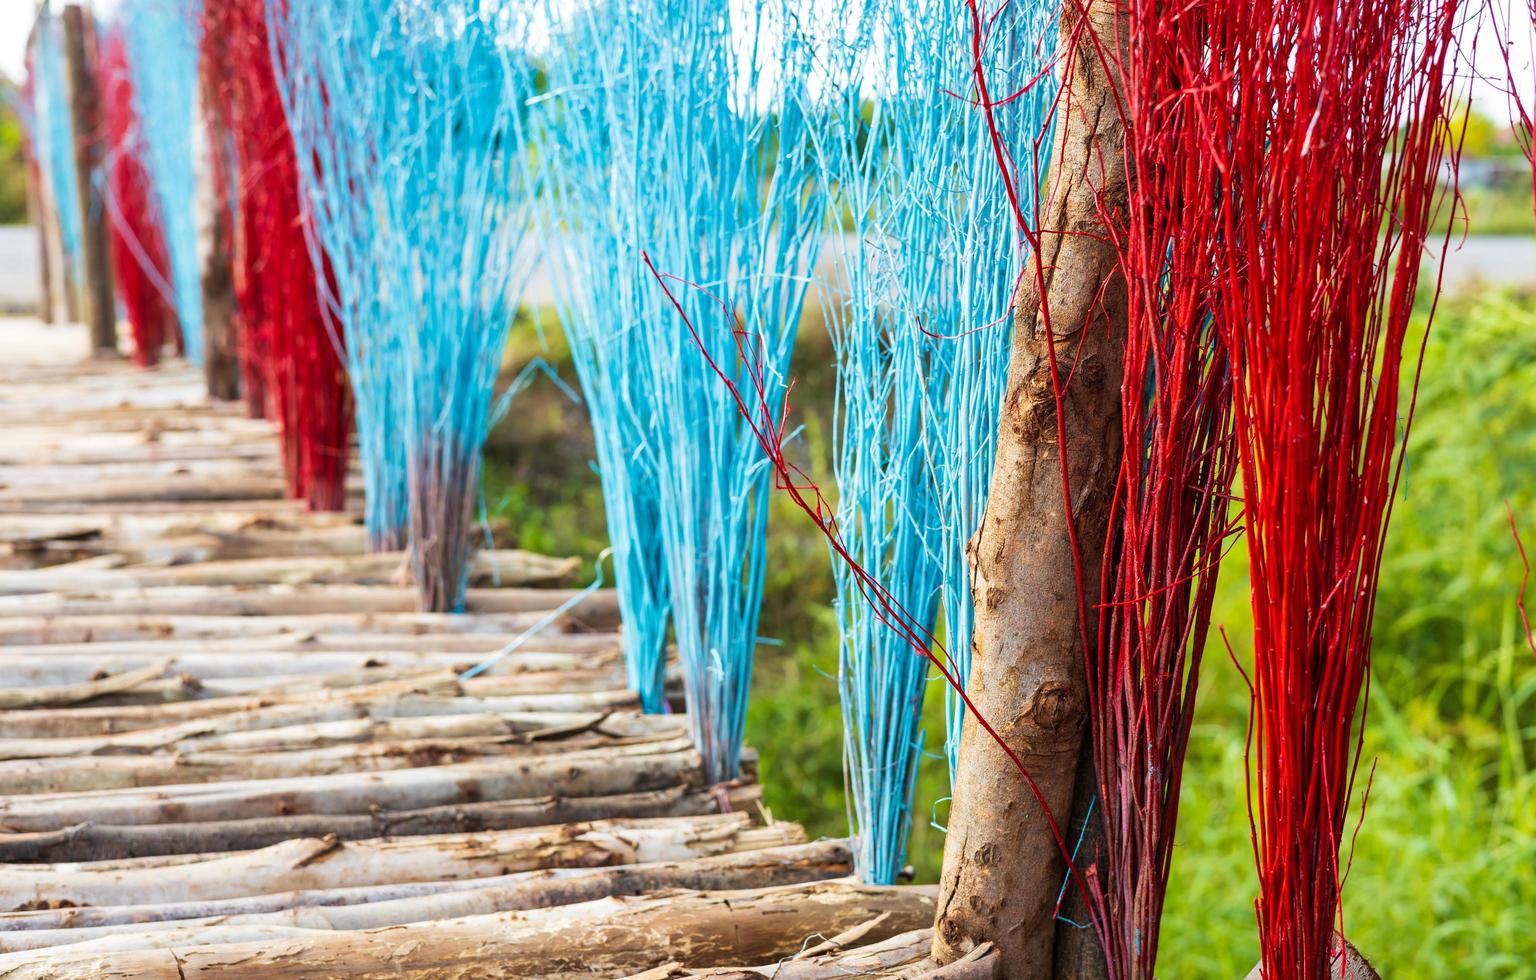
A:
[230,747]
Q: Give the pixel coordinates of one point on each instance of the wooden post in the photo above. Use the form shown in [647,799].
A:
[221,339]
[37,217]
[1003,867]
[99,301]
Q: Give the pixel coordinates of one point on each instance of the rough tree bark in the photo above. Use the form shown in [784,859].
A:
[1002,866]
[100,305]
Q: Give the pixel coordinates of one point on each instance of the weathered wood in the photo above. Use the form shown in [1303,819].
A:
[599,610]
[905,956]
[351,792]
[161,493]
[321,863]
[379,723]
[107,628]
[103,841]
[608,937]
[100,773]
[375,906]
[39,697]
[1002,861]
[35,669]
[301,709]
[92,842]
[361,644]
[501,569]
[99,295]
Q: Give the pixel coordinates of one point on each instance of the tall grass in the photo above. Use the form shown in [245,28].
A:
[1443,880]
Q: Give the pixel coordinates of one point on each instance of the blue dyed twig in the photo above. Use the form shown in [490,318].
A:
[410,121]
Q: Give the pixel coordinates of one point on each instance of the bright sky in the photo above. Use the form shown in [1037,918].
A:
[16,20]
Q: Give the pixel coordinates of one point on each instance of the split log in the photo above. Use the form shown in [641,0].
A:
[376,906]
[600,609]
[321,863]
[405,789]
[101,773]
[86,629]
[90,842]
[608,937]
[498,569]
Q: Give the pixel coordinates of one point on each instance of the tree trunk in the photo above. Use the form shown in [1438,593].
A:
[221,322]
[1002,864]
[100,306]
[609,937]
[1079,954]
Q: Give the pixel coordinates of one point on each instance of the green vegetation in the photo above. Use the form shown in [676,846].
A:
[1443,882]
[13,164]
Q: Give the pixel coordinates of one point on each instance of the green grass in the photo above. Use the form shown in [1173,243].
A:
[1443,882]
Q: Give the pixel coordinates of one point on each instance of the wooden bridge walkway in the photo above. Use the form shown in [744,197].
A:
[229,746]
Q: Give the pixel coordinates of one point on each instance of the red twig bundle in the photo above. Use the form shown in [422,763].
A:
[1170,516]
[1329,137]
[139,255]
[289,348]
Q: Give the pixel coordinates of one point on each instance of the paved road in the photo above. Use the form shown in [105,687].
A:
[1495,261]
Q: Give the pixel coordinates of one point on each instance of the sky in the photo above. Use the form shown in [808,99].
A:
[16,20]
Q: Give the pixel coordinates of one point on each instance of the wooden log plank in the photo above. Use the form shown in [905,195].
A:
[376,723]
[498,569]
[232,714]
[51,669]
[101,773]
[405,789]
[599,609]
[86,629]
[374,906]
[609,937]
[90,841]
[318,863]
[361,644]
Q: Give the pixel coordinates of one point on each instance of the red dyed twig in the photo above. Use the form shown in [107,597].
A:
[289,349]
[139,257]
[1525,578]
[1335,130]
